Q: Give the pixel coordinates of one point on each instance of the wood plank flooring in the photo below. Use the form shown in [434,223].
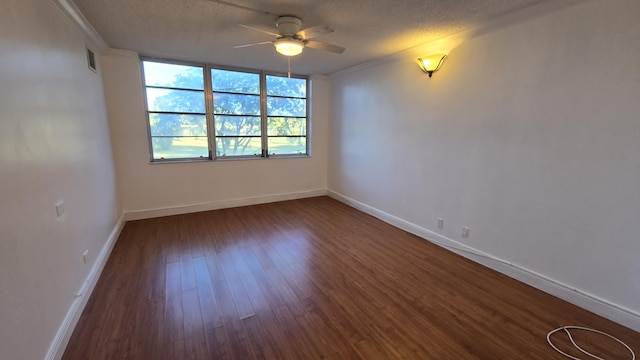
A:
[313,279]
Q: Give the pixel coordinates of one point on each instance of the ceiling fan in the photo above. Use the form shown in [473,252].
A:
[290,40]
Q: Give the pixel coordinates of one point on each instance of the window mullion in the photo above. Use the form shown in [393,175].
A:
[263,113]
[211,129]
[307,132]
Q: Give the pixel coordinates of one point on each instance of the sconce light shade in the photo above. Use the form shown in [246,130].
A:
[431,63]
[289,46]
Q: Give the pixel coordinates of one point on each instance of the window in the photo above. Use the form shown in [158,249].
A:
[236,112]
[202,112]
[286,115]
[176,111]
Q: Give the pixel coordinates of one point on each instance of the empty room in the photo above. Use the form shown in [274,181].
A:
[284,179]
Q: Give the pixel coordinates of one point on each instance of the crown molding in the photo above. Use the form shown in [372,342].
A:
[449,42]
[71,11]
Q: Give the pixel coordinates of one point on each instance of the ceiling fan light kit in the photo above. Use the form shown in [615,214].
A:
[288,46]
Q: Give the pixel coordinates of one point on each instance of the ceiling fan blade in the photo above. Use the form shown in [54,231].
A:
[324,46]
[315,31]
[264,29]
[238,6]
[254,44]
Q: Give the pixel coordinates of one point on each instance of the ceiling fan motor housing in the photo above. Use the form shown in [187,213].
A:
[288,25]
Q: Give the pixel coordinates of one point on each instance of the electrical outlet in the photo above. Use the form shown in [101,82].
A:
[465,232]
[440,223]
[85,254]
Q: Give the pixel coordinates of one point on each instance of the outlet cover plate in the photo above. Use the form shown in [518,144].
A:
[465,232]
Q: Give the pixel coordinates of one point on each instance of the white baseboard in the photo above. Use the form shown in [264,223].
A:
[59,344]
[179,210]
[602,307]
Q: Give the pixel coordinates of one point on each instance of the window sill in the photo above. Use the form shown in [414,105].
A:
[227,158]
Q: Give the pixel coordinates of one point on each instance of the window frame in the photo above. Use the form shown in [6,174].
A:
[212,145]
[210,117]
[266,113]
[148,112]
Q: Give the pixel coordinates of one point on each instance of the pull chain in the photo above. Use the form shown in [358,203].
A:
[289,67]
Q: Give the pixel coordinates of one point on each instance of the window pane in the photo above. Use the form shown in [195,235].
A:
[278,126]
[177,125]
[179,147]
[283,86]
[238,146]
[175,100]
[171,75]
[237,125]
[286,107]
[287,145]
[235,81]
[236,104]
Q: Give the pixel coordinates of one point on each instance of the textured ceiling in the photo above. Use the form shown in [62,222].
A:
[207,31]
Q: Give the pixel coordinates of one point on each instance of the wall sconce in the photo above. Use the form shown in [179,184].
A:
[431,63]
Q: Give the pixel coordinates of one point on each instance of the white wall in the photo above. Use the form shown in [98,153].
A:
[529,135]
[160,189]
[54,145]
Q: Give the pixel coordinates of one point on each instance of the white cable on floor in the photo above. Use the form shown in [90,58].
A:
[566,329]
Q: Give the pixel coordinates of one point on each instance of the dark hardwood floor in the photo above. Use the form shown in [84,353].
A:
[313,279]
